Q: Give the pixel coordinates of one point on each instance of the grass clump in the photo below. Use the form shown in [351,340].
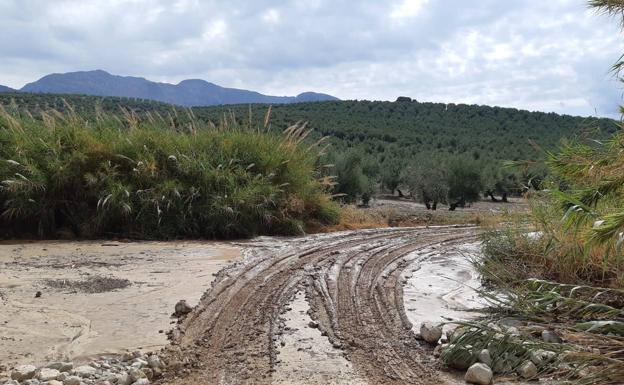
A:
[154,178]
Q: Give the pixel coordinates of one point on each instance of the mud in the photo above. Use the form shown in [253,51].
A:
[97,297]
[253,327]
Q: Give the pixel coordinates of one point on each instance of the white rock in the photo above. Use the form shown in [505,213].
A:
[541,357]
[11,382]
[154,362]
[142,381]
[479,374]
[550,337]
[23,372]
[527,370]
[485,357]
[73,380]
[430,332]
[47,374]
[32,381]
[85,371]
[136,374]
[55,382]
[124,379]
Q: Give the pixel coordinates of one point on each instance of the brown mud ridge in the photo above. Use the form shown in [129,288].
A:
[353,283]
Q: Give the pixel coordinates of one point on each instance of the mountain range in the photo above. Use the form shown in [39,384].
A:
[192,92]
[6,89]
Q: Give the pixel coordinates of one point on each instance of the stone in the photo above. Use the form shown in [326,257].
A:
[55,382]
[11,382]
[47,374]
[154,362]
[136,374]
[149,373]
[72,380]
[142,381]
[313,324]
[527,370]
[85,371]
[430,333]
[123,379]
[484,357]
[437,351]
[182,308]
[479,374]
[541,357]
[23,372]
[32,381]
[551,337]
[61,366]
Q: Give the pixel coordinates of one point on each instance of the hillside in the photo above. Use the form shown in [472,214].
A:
[193,92]
[386,139]
[408,129]
[6,89]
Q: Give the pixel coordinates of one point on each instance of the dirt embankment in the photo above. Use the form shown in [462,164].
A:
[250,327]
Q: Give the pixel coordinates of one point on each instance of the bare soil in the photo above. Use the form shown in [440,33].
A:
[97,297]
[253,326]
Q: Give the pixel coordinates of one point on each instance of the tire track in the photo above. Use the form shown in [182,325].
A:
[353,284]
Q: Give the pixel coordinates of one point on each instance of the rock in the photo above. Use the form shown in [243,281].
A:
[541,357]
[551,337]
[55,382]
[139,363]
[61,366]
[136,374]
[142,381]
[437,352]
[484,357]
[73,380]
[149,373]
[32,381]
[479,374]
[155,362]
[85,371]
[11,382]
[430,332]
[23,372]
[313,324]
[527,370]
[124,379]
[510,322]
[47,374]
[182,308]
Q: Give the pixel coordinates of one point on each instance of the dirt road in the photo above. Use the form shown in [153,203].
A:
[245,326]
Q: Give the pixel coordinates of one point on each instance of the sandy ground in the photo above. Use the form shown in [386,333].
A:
[67,322]
[341,308]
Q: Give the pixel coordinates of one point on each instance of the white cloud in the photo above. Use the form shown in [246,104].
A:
[552,55]
[407,8]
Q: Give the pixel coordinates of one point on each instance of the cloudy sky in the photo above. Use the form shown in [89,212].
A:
[549,55]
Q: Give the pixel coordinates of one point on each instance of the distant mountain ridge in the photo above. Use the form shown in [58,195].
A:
[6,89]
[190,93]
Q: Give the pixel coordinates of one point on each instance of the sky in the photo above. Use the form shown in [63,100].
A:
[547,55]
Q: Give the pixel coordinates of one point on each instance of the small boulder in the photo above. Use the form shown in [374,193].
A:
[72,380]
[527,370]
[430,333]
[182,308]
[142,381]
[479,374]
[85,371]
[484,357]
[154,362]
[61,366]
[551,337]
[541,357]
[23,372]
[136,374]
[123,379]
[55,382]
[47,374]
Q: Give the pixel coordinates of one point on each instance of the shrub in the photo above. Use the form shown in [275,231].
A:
[154,178]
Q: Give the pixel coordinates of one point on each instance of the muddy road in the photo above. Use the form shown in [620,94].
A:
[351,288]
